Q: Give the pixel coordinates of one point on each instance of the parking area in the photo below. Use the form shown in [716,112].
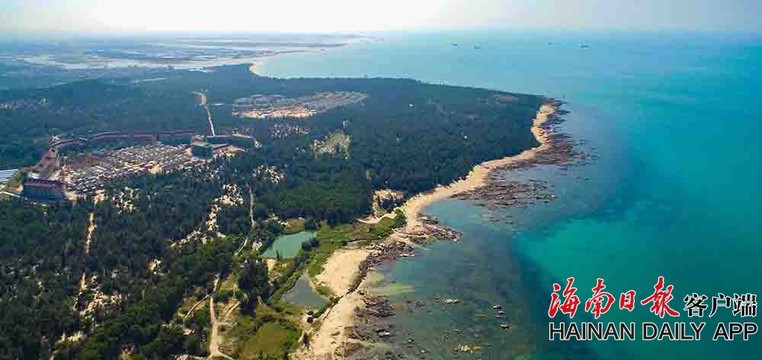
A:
[88,172]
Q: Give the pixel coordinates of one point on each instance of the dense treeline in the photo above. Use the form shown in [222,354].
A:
[40,264]
[254,283]
[144,222]
[142,258]
[409,135]
[323,188]
[335,202]
[234,220]
[85,107]
[44,256]
[141,325]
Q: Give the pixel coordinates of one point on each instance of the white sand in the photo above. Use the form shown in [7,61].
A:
[340,270]
[478,175]
[271,264]
[90,229]
[342,265]
[255,64]
[333,329]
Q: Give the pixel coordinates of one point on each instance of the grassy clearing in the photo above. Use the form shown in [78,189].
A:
[275,328]
[270,333]
[334,144]
[334,238]
[272,339]
[324,290]
[374,232]
[230,283]
[330,240]
[280,267]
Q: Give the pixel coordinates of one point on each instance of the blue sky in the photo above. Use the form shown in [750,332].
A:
[92,16]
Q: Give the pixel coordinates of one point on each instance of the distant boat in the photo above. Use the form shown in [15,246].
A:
[454,44]
[584,46]
[477,47]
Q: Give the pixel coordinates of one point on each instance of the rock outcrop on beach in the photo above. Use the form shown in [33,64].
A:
[510,193]
[430,230]
[379,253]
[556,149]
[374,306]
[370,323]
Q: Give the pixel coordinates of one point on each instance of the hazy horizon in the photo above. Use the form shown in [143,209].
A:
[19,18]
[41,38]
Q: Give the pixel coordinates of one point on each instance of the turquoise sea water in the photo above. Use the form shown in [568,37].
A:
[676,192]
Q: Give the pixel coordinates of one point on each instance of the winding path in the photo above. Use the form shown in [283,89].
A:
[251,218]
[190,312]
[251,209]
[88,238]
[214,339]
[90,229]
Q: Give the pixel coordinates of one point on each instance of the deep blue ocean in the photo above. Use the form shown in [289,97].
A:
[676,190]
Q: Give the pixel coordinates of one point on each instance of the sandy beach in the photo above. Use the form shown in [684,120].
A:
[332,332]
[255,64]
[341,267]
[338,273]
[478,175]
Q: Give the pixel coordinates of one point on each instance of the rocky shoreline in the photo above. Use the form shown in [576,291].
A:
[431,230]
[380,253]
[371,326]
[558,149]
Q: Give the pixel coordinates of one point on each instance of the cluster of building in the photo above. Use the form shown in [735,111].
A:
[239,140]
[209,146]
[53,176]
[202,149]
[282,130]
[115,136]
[87,173]
[49,179]
[6,175]
[56,177]
[153,158]
[278,106]
[22,103]
[40,182]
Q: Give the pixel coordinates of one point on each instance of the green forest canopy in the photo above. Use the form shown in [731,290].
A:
[406,135]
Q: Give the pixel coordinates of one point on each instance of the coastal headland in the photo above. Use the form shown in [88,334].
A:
[479,175]
[351,327]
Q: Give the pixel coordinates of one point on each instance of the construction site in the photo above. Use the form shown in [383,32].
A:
[277,106]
